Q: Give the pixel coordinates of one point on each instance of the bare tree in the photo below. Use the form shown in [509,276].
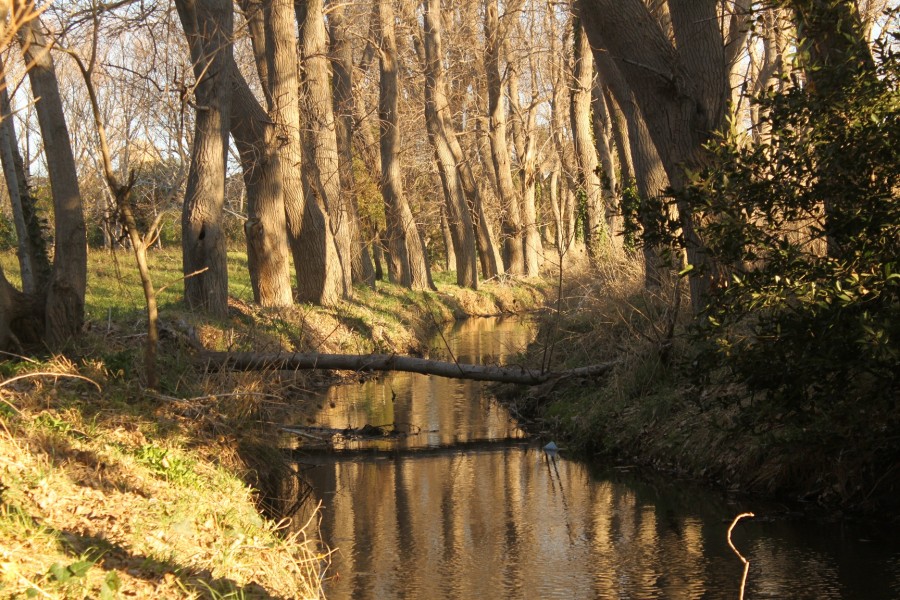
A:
[208,27]
[321,170]
[511,219]
[680,82]
[265,228]
[64,308]
[316,259]
[407,263]
[344,103]
[457,213]
[595,229]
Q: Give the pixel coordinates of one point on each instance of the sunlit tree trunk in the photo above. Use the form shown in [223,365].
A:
[610,194]
[208,27]
[342,67]
[680,82]
[457,213]
[64,306]
[34,262]
[559,110]
[511,219]
[596,234]
[645,164]
[316,261]
[265,229]
[407,264]
[321,169]
[524,138]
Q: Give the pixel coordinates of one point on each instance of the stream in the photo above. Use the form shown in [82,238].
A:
[461,504]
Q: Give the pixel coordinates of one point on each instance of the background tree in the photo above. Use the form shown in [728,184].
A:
[407,262]
[208,28]
[457,215]
[64,304]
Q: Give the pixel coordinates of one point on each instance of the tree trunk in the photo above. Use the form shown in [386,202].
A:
[488,255]
[207,25]
[316,262]
[265,229]
[649,175]
[407,263]
[560,106]
[835,53]
[680,83]
[611,192]
[596,234]
[34,261]
[510,215]
[457,213]
[526,150]
[344,103]
[321,167]
[450,264]
[64,309]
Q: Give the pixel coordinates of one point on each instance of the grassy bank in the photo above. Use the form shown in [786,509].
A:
[108,489]
[664,407]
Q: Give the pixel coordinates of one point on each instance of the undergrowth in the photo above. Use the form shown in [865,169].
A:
[664,407]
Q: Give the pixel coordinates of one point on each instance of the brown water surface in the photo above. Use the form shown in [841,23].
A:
[466,507]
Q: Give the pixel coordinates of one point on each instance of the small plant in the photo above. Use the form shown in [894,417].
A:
[161,462]
[53,423]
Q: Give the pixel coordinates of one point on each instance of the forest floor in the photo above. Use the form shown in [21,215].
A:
[108,489]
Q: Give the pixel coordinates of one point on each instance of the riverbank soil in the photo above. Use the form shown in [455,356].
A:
[108,489]
[663,406]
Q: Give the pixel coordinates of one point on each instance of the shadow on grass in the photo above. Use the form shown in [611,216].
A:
[154,571]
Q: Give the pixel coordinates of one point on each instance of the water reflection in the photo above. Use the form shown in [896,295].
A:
[438,411]
[502,519]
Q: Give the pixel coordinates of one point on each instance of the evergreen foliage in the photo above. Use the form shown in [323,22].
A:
[806,223]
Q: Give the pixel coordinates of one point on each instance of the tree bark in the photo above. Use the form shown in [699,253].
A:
[457,213]
[64,309]
[596,234]
[265,228]
[680,83]
[560,107]
[344,103]
[489,257]
[407,264]
[316,261]
[251,361]
[510,215]
[648,171]
[34,261]
[208,27]
[611,188]
[321,166]
[526,150]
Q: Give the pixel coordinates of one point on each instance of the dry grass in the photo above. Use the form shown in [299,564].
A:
[101,498]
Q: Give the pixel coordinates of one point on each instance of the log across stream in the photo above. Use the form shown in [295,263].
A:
[252,361]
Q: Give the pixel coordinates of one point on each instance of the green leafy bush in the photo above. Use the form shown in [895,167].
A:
[806,223]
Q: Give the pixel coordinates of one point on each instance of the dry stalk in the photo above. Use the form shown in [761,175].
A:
[746,562]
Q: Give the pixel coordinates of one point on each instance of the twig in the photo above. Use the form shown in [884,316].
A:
[189,275]
[50,374]
[739,555]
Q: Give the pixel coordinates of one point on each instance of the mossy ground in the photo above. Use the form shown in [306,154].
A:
[108,489]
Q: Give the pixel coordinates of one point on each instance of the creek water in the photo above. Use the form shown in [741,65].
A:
[463,505]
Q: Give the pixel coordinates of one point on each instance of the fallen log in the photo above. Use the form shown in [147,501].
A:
[252,361]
